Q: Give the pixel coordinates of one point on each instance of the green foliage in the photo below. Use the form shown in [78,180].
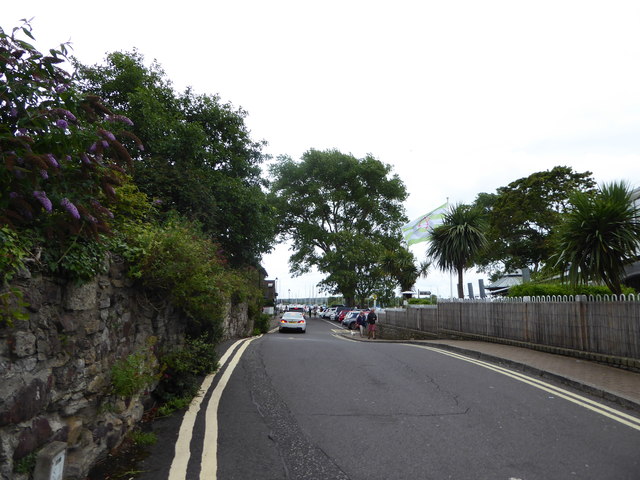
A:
[26,464]
[143,439]
[343,220]
[559,289]
[177,403]
[76,258]
[176,258]
[135,373]
[262,324]
[423,301]
[12,253]
[183,369]
[60,156]
[200,159]
[12,307]
[522,215]
[599,236]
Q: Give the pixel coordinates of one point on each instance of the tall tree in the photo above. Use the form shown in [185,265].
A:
[341,214]
[522,216]
[599,236]
[199,158]
[456,243]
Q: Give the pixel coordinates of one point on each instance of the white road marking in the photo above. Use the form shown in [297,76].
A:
[587,403]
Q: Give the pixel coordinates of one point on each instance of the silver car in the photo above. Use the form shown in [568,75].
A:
[293,321]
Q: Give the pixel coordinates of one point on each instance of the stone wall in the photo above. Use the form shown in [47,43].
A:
[55,367]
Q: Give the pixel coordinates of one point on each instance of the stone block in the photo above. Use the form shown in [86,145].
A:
[92,325]
[81,297]
[27,402]
[105,302]
[24,344]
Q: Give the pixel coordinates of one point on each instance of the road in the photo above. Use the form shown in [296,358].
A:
[322,406]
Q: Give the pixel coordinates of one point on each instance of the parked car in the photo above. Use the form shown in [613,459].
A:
[339,310]
[293,321]
[328,312]
[349,320]
[341,314]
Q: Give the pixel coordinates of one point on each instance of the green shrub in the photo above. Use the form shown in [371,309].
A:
[26,464]
[559,289]
[262,323]
[183,369]
[423,301]
[135,373]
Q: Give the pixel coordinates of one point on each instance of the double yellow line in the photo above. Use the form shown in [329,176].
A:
[209,461]
[587,403]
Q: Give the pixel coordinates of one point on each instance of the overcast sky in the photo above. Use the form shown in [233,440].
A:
[460,97]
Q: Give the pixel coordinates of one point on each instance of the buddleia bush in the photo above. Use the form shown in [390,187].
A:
[62,154]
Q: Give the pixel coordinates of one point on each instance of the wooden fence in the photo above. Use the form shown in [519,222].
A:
[599,325]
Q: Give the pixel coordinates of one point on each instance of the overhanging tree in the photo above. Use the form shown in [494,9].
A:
[199,159]
[341,214]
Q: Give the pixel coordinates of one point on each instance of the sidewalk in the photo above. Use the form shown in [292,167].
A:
[614,384]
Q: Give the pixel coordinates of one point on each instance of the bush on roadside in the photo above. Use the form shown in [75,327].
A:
[184,368]
[559,289]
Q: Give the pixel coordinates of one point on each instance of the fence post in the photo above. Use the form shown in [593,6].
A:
[584,334]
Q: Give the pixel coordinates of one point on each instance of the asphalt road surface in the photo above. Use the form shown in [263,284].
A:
[321,406]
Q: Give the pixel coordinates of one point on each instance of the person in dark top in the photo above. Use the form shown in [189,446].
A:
[372,318]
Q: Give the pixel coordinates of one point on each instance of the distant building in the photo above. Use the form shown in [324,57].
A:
[632,272]
[501,286]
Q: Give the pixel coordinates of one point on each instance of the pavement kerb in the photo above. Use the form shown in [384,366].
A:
[534,371]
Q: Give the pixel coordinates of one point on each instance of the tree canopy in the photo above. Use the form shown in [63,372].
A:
[342,214]
[199,158]
[522,216]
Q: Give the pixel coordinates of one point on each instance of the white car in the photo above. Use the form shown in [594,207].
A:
[293,321]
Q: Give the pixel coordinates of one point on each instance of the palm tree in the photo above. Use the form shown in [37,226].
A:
[458,240]
[599,236]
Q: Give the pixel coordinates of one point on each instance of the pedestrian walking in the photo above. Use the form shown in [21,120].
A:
[372,318]
[361,321]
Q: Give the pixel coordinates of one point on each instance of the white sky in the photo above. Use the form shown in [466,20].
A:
[460,96]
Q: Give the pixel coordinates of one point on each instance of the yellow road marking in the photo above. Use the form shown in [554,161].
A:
[182,453]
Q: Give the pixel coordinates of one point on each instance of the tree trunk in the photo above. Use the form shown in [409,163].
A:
[460,287]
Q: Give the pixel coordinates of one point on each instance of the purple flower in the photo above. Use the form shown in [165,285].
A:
[107,134]
[120,118]
[105,144]
[44,174]
[70,207]
[61,88]
[14,195]
[67,158]
[93,147]
[85,158]
[52,160]
[60,123]
[42,198]
[13,113]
